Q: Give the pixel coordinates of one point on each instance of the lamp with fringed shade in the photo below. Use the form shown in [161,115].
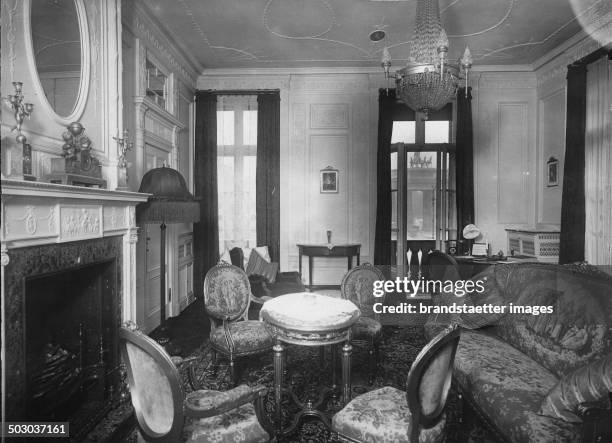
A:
[170,202]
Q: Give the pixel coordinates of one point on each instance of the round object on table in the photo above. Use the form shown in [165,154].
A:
[309,317]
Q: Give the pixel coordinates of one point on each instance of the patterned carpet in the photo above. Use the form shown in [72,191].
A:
[399,348]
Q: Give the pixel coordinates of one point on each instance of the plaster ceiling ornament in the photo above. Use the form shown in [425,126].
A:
[307,34]
[428,81]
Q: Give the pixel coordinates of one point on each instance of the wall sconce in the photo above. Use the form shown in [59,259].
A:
[21,110]
[124,144]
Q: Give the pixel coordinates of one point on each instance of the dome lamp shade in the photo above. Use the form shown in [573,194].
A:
[170,202]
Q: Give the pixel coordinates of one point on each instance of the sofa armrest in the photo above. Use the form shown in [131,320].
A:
[596,421]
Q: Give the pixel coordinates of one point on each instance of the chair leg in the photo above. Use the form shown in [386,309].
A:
[214,363]
[377,352]
[372,356]
[233,371]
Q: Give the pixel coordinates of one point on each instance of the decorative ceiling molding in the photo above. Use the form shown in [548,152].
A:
[144,26]
[518,80]
[330,83]
[296,34]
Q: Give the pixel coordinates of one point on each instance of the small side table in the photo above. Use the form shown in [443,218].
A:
[309,319]
[348,250]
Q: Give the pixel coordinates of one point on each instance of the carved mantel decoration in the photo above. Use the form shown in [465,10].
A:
[36,213]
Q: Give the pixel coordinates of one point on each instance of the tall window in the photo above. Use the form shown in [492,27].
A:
[236,161]
[422,183]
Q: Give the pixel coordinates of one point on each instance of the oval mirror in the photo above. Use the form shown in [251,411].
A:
[56,28]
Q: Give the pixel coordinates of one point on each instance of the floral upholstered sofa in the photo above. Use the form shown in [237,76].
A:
[532,378]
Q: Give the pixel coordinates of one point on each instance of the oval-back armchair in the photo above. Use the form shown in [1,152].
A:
[390,415]
[227,297]
[358,287]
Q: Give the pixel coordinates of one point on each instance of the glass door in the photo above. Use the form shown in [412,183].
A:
[422,191]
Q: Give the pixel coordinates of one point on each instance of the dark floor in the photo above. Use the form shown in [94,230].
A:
[187,331]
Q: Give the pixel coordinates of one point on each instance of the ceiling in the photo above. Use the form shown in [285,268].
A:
[335,33]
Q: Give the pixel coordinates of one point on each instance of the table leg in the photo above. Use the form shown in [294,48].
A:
[310,259]
[350,262]
[347,350]
[300,261]
[278,383]
[334,363]
[358,259]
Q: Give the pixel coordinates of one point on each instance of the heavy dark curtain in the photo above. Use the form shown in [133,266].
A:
[464,161]
[206,232]
[389,109]
[268,172]
[573,218]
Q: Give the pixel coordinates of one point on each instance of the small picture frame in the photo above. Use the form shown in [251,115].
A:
[329,180]
[480,249]
[552,172]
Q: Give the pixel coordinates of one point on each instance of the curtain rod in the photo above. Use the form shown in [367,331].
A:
[239,91]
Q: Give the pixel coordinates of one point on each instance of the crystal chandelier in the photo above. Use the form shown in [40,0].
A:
[428,81]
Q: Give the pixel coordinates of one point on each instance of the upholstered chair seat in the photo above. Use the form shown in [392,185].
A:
[357,286]
[390,415]
[239,425]
[165,414]
[249,336]
[366,328]
[381,416]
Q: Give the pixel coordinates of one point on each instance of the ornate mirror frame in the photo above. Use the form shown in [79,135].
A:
[83,92]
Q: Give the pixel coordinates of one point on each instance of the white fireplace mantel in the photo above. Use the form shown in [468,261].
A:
[36,213]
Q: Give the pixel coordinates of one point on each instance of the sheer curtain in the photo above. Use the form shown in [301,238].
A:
[236,166]
[598,163]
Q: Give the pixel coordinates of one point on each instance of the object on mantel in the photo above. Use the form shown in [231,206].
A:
[20,110]
[78,166]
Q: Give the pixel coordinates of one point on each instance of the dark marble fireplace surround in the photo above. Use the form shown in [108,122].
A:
[68,293]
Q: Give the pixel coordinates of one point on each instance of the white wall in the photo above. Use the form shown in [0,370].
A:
[326,120]
[504,121]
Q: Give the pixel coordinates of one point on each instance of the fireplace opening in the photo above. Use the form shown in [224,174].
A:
[70,345]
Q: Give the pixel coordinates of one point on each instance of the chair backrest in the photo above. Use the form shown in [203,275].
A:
[430,378]
[155,387]
[441,266]
[227,292]
[237,257]
[358,284]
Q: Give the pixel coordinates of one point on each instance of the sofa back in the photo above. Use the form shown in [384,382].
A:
[578,330]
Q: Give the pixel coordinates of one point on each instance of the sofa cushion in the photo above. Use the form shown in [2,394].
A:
[578,330]
[591,383]
[258,265]
[508,388]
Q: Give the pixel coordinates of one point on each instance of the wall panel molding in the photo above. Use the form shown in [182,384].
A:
[512,157]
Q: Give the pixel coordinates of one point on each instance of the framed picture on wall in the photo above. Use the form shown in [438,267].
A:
[552,172]
[329,180]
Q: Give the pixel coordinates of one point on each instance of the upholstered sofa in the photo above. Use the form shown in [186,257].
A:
[536,378]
